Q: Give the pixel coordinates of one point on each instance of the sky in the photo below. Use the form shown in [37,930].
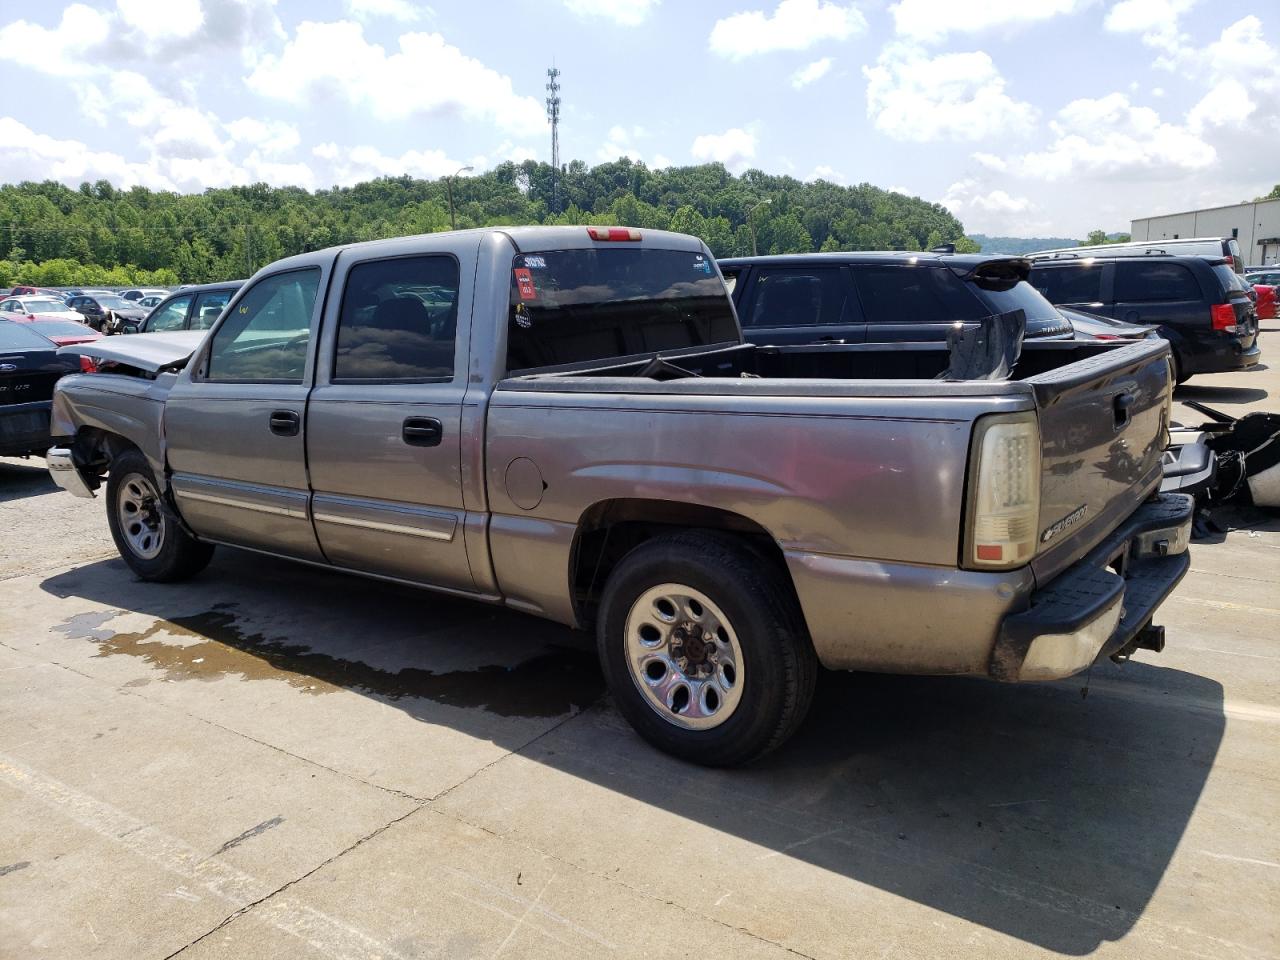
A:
[1031,118]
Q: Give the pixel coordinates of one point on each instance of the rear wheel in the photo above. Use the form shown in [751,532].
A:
[1179,378]
[704,649]
[147,534]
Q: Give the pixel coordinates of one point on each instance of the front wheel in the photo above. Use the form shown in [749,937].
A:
[147,534]
[704,648]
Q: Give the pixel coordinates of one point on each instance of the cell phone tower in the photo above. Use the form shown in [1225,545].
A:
[553,117]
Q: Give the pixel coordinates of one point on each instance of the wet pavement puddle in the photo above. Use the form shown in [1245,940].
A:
[212,645]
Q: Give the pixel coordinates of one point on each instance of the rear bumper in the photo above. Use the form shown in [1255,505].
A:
[24,428]
[65,473]
[1098,605]
[1220,353]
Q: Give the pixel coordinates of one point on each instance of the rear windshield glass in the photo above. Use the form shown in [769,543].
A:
[45,306]
[1229,279]
[573,306]
[61,328]
[1022,296]
[15,337]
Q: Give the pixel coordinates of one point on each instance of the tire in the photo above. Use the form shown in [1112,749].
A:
[146,531]
[1179,378]
[746,690]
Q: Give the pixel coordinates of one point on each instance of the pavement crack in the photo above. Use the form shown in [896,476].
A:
[241,911]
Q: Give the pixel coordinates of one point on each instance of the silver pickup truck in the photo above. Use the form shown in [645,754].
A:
[566,420]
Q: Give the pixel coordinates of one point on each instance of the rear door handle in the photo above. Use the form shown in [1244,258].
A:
[285,423]
[422,432]
[1120,407]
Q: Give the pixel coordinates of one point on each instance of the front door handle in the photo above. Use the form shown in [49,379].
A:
[285,423]
[422,432]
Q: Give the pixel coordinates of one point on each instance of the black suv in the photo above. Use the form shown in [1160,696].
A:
[1199,304]
[880,297]
[191,308]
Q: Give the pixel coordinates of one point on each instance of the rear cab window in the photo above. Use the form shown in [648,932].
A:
[399,321]
[578,306]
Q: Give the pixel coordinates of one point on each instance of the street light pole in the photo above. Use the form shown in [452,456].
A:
[448,182]
[751,224]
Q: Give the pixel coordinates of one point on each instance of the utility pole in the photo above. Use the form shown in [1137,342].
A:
[752,225]
[553,117]
[448,182]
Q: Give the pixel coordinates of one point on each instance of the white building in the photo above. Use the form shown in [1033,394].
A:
[1255,225]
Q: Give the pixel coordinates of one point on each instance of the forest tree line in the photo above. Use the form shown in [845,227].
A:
[53,235]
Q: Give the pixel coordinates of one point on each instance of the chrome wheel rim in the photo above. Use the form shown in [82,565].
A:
[684,656]
[141,518]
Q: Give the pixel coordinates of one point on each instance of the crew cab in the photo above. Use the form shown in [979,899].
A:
[566,420]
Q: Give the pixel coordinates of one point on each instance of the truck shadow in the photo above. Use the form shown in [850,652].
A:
[1218,394]
[1030,811]
[24,478]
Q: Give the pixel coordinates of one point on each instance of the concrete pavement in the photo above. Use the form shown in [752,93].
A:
[273,761]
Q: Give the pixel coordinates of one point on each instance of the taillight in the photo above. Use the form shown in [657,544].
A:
[1224,317]
[613,233]
[88,364]
[1004,504]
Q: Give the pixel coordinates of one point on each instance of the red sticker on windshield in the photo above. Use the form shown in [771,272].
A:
[524,281]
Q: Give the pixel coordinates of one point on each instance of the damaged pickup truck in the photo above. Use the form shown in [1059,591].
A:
[566,420]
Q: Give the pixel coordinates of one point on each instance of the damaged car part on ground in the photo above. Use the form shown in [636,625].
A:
[567,421]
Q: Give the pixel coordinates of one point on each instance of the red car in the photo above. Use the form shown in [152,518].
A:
[1266,305]
[63,332]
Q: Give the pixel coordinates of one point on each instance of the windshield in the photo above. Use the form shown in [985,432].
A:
[45,306]
[573,306]
[114,303]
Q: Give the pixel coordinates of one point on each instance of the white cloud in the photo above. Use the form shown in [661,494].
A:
[403,10]
[829,174]
[735,148]
[1110,137]
[991,161]
[62,49]
[808,74]
[620,143]
[930,21]
[349,165]
[426,76]
[957,96]
[36,156]
[1155,21]
[162,19]
[986,210]
[794,25]
[268,137]
[627,13]
[171,128]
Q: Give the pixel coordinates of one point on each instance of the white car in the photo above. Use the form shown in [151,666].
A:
[44,308]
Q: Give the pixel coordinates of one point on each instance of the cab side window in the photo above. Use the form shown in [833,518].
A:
[797,298]
[171,316]
[265,339]
[398,321]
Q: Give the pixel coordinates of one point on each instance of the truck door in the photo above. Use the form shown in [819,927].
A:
[234,421]
[384,420]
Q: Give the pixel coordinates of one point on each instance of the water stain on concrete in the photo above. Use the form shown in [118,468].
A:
[550,684]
